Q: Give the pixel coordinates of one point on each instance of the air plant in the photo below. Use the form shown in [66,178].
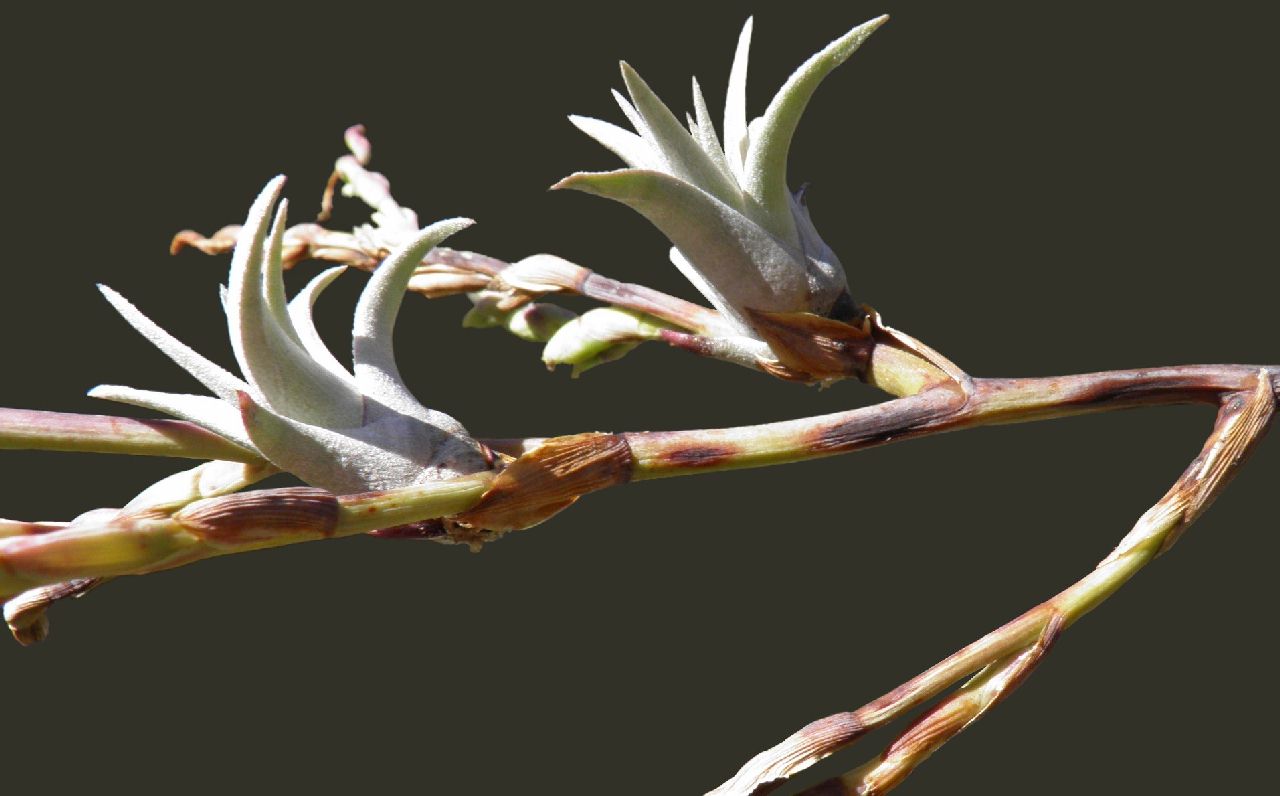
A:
[375,460]
[298,407]
[740,235]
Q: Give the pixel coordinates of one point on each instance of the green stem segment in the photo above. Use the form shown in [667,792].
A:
[33,555]
[155,538]
[942,408]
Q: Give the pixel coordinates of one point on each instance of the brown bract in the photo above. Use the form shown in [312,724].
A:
[25,614]
[813,348]
[549,479]
[234,520]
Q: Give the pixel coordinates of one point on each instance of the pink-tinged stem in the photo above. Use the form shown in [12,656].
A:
[639,455]
[682,313]
[942,722]
[152,538]
[30,429]
[1010,651]
[662,454]
[945,408]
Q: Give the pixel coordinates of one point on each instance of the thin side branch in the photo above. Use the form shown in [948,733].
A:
[30,429]
[943,408]
[1009,652]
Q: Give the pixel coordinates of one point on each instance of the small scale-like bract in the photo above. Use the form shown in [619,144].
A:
[297,406]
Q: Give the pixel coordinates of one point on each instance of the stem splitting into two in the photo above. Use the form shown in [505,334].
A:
[41,563]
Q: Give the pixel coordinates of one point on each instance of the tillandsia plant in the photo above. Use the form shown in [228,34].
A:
[376,460]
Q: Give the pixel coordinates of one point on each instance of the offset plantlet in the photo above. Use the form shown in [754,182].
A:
[377,461]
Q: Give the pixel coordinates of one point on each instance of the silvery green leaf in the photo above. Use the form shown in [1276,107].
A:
[736,323]
[629,111]
[628,146]
[748,266]
[273,272]
[299,407]
[684,156]
[375,317]
[219,381]
[828,273]
[211,414]
[765,170]
[280,372]
[300,312]
[741,237]
[394,451]
[704,132]
[735,105]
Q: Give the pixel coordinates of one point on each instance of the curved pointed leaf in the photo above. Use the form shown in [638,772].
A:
[219,381]
[398,451]
[709,291]
[633,149]
[211,414]
[275,365]
[735,105]
[375,318]
[765,168]
[748,265]
[704,131]
[684,156]
[273,272]
[300,309]
[628,110]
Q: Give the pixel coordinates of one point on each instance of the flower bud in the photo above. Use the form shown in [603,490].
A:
[533,322]
[542,273]
[599,336]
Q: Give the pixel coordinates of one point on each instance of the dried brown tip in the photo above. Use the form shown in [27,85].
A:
[1243,419]
[29,630]
[771,768]
[26,613]
[549,479]
[221,242]
[813,348]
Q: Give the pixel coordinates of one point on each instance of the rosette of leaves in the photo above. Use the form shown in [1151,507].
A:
[739,234]
[297,406]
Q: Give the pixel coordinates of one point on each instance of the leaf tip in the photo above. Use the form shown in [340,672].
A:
[572,182]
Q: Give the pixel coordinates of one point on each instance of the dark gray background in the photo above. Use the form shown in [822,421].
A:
[1033,188]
